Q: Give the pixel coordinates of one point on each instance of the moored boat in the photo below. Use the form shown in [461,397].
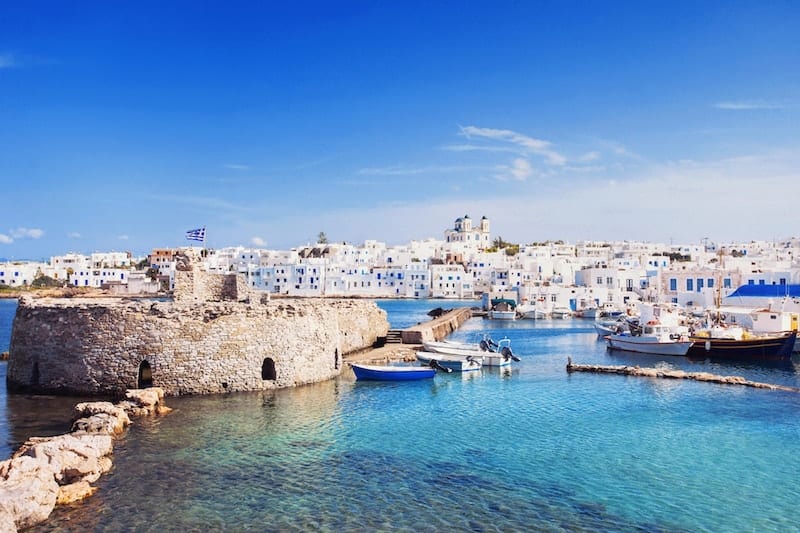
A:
[655,338]
[391,373]
[494,353]
[742,345]
[561,312]
[503,309]
[453,362]
[608,326]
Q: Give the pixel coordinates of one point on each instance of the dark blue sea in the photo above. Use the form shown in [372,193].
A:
[527,449]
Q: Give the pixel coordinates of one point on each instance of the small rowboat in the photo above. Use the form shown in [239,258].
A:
[391,373]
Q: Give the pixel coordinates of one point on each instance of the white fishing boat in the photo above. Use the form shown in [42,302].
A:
[561,312]
[654,339]
[661,333]
[611,326]
[503,309]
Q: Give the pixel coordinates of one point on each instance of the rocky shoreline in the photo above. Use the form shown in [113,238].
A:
[49,471]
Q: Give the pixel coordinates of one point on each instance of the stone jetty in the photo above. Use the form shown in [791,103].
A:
[637,371]
[50,471]
[438,328]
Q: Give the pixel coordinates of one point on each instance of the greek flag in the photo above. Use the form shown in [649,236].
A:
[196,234]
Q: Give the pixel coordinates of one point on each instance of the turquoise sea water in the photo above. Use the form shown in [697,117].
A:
[527,449]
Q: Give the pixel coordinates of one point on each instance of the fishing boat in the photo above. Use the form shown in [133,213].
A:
[660,332]
[737,343]
[611,326]
[503,309]
[561,312]
[391,373]
[655,338]
[456,363]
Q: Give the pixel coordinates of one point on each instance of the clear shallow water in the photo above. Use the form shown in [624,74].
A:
[530,449]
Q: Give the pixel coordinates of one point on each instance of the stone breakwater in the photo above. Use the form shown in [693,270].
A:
[187,346]
[644,372]
[50,471]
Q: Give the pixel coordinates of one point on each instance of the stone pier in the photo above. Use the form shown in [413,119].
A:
[438,328]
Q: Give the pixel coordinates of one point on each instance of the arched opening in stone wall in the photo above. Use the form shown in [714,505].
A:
[336,358]
[268,370]
[145,376]
[35,375]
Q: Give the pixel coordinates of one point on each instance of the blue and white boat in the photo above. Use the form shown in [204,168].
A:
[391,373]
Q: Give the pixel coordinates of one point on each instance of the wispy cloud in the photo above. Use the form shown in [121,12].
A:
[749,105]
[7,60]
[258,241]
[478,148]
[201,202]
[409,171]
[234,166]
[618,149]
[519,170]
[590,156]
[123,237]
[74,235]
[26,233]
[526,144]
[20,233]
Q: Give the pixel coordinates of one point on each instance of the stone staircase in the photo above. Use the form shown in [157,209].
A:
[394,336]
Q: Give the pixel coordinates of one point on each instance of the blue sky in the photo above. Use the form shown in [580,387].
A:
[123,125]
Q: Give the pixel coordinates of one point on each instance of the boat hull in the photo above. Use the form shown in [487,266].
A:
[502,315]
[649,345]
[391,373]
[453,362]
[770,348]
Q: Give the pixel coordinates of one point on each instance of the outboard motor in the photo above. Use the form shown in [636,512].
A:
[507,354]
[436,366]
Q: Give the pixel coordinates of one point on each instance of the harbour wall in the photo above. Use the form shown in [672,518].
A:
[215,335]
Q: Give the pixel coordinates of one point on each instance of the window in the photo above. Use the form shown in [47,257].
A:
[700,284]
[689,284]
[673,284]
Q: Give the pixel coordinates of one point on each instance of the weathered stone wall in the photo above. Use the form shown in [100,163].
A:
[97,346]
[200,286]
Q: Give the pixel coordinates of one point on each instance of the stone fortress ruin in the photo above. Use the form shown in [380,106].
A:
[215,335]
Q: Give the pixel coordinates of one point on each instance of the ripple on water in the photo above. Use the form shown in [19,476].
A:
[533,449]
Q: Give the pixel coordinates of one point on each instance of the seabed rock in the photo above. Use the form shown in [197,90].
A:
[49,471]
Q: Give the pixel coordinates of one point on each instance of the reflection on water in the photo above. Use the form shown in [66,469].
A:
[526,448]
